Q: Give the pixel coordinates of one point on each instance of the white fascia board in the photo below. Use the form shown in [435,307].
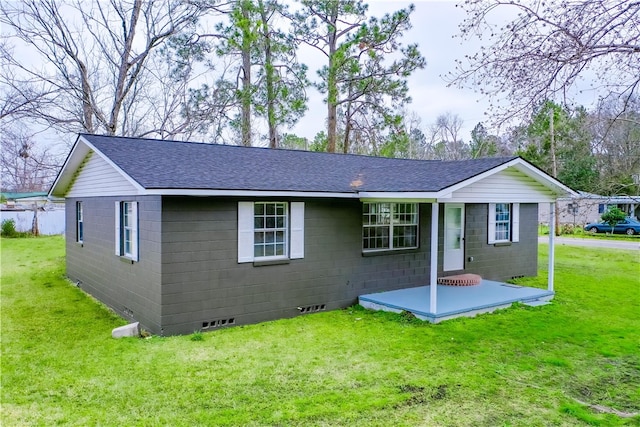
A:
[246,193]
[78,153]
[390,196]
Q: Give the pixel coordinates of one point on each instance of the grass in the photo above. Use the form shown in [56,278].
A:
[522,366]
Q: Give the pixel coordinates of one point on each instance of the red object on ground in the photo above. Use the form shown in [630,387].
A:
[460,280]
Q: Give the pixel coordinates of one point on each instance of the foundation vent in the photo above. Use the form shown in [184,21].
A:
[218,323]
[312,308]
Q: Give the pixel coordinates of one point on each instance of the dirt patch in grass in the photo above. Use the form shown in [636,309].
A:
[419,395]
[612,383]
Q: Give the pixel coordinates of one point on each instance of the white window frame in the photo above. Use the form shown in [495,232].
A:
[79,223]
[127,226]
[293,229]
[391,222]
[261,233]
[513,223]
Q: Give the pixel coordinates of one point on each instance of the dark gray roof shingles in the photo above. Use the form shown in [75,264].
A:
[161,164]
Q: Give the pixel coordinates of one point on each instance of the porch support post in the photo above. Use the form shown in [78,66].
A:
[552,235]
[433,279]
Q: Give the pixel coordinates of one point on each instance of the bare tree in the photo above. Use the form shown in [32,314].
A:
[95,59]
[547,47]
[617,146]
[26,166]
[446,141]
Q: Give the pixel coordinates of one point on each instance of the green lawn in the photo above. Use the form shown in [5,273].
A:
[517,367]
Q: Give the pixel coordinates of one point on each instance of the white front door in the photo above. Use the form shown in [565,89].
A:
[453,237]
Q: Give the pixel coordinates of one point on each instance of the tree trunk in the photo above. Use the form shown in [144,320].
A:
[125,65]
[269,78]
[246,81]
[347,129]
[35,229]
[332,85]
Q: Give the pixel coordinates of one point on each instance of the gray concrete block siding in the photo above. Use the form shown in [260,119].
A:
[202,279]
[188,274]
[131,289]
[501,262]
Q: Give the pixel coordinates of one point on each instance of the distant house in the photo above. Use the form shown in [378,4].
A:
[188,236]
[12,200]
[585,207]
[21,208]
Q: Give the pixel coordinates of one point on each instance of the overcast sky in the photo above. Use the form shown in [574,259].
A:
[434,25]
[435,22]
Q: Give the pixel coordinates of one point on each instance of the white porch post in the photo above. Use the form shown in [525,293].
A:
[552,235]
[433,278]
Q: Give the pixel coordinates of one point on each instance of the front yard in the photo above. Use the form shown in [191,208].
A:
[518,367]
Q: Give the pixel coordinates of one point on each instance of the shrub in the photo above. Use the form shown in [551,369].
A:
[567,229]
[9,228]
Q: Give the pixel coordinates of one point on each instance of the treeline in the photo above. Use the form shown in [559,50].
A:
[208,70]
[229,71]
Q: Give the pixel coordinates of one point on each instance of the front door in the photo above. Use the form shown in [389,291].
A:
[453,237]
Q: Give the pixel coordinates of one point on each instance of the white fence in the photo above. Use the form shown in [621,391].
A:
[49,222]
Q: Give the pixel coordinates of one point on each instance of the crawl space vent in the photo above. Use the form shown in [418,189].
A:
[218,323]
[312,308]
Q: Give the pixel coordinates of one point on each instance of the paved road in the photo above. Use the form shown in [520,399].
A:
[592,243]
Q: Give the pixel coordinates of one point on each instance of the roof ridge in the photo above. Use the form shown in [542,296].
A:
[505,158]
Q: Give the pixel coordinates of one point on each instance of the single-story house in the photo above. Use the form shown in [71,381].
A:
[189,236]
[584,208]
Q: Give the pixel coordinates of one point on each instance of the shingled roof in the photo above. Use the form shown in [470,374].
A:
[161,164]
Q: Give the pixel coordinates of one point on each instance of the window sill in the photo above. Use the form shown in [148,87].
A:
[264,263]
[497,244]
[126,259]
[389,252]
[81,244]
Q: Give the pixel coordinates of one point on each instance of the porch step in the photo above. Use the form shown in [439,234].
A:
[535,303]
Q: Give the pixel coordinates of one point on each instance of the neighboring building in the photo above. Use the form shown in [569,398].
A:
[187,236]
[23,200]
[22,207]
[586,207]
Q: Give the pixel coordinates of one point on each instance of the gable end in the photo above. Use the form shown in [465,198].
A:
[508,186]
[96,177]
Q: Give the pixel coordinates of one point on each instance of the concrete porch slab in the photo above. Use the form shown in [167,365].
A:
[454,301]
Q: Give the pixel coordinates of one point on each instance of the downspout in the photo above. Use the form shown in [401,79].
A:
[433,280]
[552,234]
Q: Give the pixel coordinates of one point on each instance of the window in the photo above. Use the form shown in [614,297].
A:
[389,226]
[79,223]
[127,230]
[504,223]
[270,231]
